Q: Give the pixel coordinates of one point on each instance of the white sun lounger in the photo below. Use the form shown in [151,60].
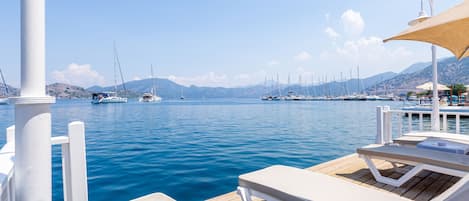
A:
[416,137]
[421,159]
[283,183]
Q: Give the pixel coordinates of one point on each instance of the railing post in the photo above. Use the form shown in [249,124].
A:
[387,116]
[10,183]
[445,122]
[399,125]
[458,125]
[11,134]
[420,121]
[409,122]
[379,125]
[74,164]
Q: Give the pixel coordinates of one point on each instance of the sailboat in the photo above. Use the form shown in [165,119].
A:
[182,94]
[4,93]
[151,96]
[111,96]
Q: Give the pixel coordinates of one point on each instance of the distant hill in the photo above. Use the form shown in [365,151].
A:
[61,90]
[416,67]
[58,90]
[450,71]
[171,90]
[338,88]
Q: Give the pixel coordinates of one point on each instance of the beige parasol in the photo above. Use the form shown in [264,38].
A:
[449,29]
[429,86]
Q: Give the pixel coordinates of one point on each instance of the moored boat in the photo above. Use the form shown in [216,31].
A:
[150,97]
[107,97]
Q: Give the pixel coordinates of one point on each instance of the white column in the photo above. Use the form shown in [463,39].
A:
[33,48]
[32,113]
[435,102]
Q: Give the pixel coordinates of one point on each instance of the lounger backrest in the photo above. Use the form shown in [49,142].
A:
[424,156]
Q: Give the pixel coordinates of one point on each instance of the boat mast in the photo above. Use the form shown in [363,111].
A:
[272,87]
[313,91]
[278,86]
[358,80]
[153,89]
[119,65]
[351,82]
[344,87]
[115,65]
[326,85]
[300,86]
[5,86]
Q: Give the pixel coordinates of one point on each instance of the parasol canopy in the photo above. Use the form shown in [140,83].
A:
[449,29]
[429,86]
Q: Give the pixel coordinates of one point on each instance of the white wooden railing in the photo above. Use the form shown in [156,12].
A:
[387,119]
[75,185]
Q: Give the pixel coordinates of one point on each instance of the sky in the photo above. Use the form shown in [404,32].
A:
[218,42]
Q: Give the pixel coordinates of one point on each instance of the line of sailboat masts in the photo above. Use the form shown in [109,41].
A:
[321,87]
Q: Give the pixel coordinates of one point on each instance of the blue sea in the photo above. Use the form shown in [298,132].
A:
[194,149]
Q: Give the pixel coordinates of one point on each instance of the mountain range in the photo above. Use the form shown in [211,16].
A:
[450,71]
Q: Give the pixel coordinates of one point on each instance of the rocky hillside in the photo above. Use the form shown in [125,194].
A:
[450,71]
[60,90]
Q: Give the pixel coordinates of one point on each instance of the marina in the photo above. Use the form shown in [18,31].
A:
[284,149]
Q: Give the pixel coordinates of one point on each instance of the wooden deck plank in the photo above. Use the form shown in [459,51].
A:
[421,186]
[432,190]
[447,185]
[424,186]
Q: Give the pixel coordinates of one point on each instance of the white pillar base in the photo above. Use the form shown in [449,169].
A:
[33,168]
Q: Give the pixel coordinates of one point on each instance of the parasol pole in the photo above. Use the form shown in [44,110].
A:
[435,102]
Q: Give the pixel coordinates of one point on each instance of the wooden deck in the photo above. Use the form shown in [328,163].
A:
[422,187]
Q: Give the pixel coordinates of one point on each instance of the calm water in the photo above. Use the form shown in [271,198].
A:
[194,150]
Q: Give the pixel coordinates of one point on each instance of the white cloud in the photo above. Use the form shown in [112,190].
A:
[331,33]
[136,78]
[353,23]
[369,48]
[76,74]
[370,53]
[273,63]
[303,56]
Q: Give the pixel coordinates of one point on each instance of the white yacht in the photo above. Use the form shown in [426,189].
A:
[107,97]
[151,96]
